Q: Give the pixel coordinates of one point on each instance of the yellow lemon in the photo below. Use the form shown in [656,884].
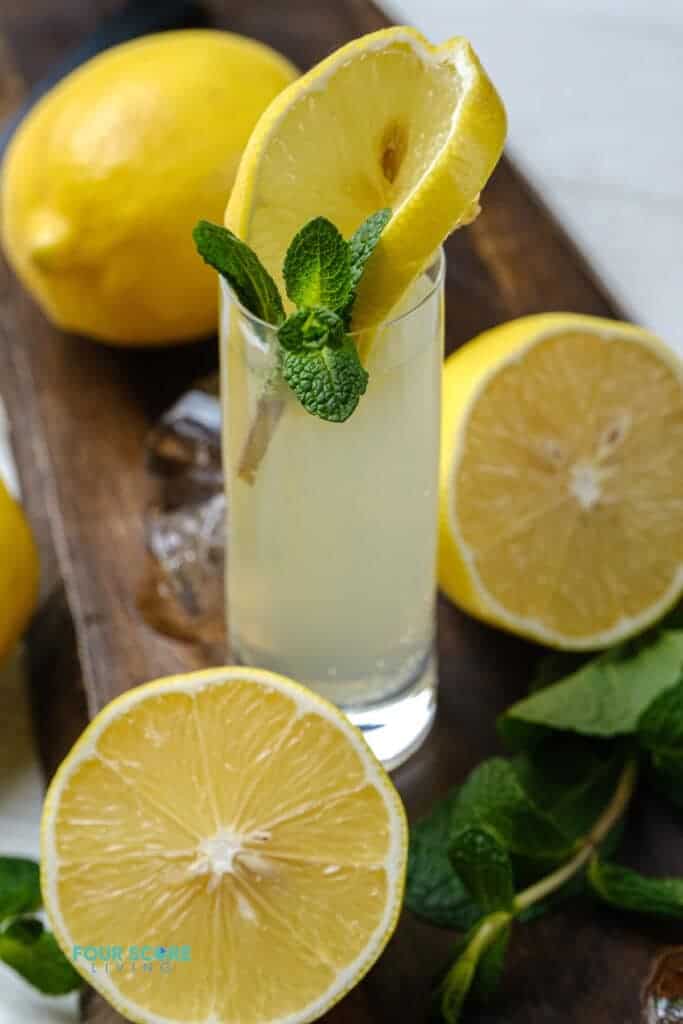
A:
[387,121]
[238,818]
[106,177]
[561,484]
[18,572]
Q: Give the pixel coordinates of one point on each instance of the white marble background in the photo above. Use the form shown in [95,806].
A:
[594,90]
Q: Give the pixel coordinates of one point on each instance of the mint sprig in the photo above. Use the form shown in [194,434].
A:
[488,866]
[318,359]
[524,832]
[25,945]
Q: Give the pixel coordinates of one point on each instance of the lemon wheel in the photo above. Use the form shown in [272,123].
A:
[387,121]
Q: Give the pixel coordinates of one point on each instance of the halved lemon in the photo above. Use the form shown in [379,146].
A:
[561,501]
[387,121]
[235,825]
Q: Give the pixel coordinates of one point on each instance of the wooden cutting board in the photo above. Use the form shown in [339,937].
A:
[80,414]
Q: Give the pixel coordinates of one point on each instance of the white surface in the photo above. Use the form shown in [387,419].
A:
[594,91]
[21,790]
[21,793]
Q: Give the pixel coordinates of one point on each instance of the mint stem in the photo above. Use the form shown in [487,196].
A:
[487,931]
[456,985]
[269,410]
[588,845]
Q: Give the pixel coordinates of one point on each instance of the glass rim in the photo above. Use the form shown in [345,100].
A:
[438,260]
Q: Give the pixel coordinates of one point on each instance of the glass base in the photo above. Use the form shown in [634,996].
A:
[396,728]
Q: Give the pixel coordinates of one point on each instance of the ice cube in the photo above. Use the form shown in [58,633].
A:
[182,594]
[185,446]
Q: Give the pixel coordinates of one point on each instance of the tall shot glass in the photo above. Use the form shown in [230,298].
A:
[332,527]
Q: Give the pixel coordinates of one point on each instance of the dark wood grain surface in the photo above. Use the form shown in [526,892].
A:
[80,416]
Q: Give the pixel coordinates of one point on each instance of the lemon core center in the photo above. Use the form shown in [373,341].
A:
[586,484]
[227,852]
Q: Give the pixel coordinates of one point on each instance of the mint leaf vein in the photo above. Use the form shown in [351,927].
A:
[317,268]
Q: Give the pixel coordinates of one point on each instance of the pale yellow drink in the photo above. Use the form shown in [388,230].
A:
[332,526]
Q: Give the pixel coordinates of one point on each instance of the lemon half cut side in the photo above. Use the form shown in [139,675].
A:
[562,479]
[236,815]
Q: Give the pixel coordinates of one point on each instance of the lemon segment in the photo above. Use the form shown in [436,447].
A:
[237,813]
[108,174]
[387,121]
[19,572]
[561,490]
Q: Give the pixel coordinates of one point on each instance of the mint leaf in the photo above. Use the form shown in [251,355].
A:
[24,929]
[573,777]
[241,268]
[660,727]
[605,697]
[433,890]
[328,381]
[494,797]
[629,890]
[483,864]
[34,954]
[317,268]
[19,886]
[660,733]
[311,329]
[362,244]
[364,241]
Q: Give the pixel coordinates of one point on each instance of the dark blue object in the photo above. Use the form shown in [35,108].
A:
[138,18]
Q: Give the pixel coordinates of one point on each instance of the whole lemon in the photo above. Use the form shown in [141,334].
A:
[106,177]
[18,572]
